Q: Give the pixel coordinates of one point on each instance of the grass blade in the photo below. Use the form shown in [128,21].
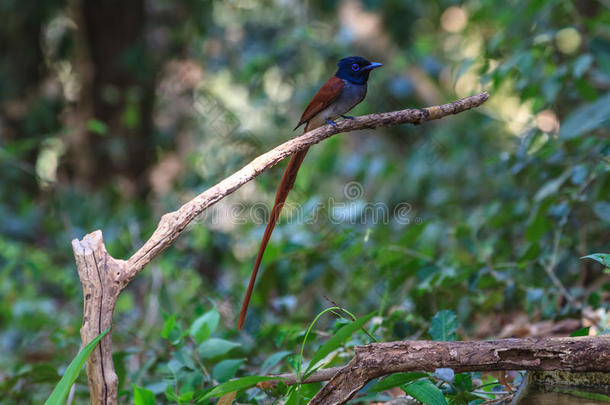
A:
[59,394]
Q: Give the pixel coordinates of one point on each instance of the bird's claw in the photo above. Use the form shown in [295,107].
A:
[347,117]
[333,123]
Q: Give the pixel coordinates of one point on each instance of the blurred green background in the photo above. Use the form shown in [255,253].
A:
[114,113]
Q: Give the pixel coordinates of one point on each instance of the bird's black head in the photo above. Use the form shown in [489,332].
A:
[355,69]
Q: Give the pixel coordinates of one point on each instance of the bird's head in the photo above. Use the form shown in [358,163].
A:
[355,69]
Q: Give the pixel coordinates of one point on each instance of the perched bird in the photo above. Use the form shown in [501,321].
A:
[340,93]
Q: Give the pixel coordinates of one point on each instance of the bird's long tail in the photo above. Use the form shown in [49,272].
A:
[288,179]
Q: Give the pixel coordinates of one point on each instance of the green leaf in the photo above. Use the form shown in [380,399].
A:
[463,382]
[170,394]
[183,357]
[581,332]
[586,118]
[603,258]
[396,380]
[338,339]
[186,396]
[425,392]
[97,127]
[292,398]
[226,369]
[205,325]
[274,359]
[531,253]
[59,394]
[143,396]
[443,325]
[538,227]
[168,326]
[215,347]
[235,385]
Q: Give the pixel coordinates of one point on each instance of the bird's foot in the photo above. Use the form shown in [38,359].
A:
[333,123]
[347,117]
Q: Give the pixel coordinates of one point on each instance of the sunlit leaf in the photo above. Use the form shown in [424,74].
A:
[143,396]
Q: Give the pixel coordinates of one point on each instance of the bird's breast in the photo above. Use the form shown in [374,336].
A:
[351,95]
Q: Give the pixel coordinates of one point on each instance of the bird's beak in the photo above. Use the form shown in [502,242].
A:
[373,65]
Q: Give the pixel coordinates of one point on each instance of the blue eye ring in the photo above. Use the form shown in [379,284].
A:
[355,67]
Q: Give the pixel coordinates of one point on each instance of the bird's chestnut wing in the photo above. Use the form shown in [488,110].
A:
[324,97]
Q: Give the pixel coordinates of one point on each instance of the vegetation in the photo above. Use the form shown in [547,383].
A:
[114,113]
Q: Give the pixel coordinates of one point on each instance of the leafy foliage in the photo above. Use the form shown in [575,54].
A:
[445,224]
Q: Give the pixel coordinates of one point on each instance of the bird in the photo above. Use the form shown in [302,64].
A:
[342,92]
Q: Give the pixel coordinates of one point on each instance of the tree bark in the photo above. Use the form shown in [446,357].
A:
[104,277]
[98,273]
[542,354]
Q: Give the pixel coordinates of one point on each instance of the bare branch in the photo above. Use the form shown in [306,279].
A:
[541,354]
[174,223]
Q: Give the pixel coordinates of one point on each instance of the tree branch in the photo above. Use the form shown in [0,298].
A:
[98,273]
[174,223]
[541,354]
[104,277]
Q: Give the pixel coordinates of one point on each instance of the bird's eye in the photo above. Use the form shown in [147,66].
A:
[355,67]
